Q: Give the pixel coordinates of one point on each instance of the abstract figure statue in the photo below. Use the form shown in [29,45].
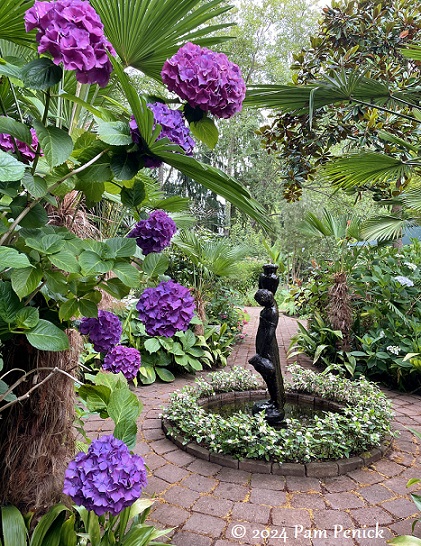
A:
[266,360]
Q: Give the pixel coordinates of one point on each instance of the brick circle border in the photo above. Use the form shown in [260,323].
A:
[324,469]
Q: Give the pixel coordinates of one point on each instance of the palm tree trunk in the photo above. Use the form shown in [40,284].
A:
[37,439]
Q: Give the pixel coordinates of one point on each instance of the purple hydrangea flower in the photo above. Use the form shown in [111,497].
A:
[206,80]
[104,332]
[173,128]
[123,359]
[72,32]
[27,153]
[107,478]
[155,233]
[166,309]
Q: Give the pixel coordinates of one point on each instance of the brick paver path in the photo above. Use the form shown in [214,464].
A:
[211,505]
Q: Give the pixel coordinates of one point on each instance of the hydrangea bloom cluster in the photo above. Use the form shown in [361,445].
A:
[104,332]
[410,265]
[166,309]
[27,153]
[107,478]
[173,128]
[205,79]
[72,32]
[155,233]
[404,281]
[123,359]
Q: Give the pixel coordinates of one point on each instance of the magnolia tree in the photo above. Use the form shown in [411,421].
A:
[65,144]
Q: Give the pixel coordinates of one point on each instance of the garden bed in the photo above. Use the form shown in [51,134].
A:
[335,444]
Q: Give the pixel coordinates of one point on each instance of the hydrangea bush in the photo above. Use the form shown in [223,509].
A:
[166,309]
[108,478]
[206,80]
[126,360]
[72,32]
[172,127]
[27,153]
[104,332]
[155,233]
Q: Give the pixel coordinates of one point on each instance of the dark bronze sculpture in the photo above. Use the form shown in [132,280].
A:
[266,360]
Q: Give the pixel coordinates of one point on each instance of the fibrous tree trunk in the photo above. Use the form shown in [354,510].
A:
[36,434]
[339,309]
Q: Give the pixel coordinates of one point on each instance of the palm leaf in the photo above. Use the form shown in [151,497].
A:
[145,33]
[412,52]
[324,225]
[383,228]
[412,199]
[328,91]
[366,168]
[12,26]
[216,181]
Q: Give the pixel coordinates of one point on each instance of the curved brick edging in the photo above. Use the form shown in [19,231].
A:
[325,469]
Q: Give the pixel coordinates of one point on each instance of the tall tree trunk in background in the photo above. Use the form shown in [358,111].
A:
[339,309]
[37,439]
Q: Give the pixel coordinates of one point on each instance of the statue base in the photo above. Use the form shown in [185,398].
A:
[273,416]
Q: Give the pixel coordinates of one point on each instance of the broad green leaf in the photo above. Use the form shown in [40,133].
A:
[134,196]
[18,130]
[92,264]
[92,189]
[56,281]
[87,307]
[68,535]
[55,143]
[36,217]
[116,288]
[13,527]
[69,309]
[10,257]
[152,345]
[8,397]
[405,540]
[188,339]
[147,374]
[40,74]
[35,185]
[206,131]
[164,374]
[25,281]
[126,430]
[47,337]
[417,500]
[155,264]
[10,168]
[9,70]
[121,247]
[96,397]
[123,405]
[128,274]
[27,318]
[116,133]
[65,260]
[9,302]
[110,380]
[125,165]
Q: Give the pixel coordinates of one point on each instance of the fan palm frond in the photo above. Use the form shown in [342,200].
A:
[364,169]
[412,199]
[324,225]
[383,228]
[12,26]
[145,33]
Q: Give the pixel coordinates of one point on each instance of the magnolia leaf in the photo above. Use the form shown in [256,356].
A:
[10,257]
[47,337]
[41,74]
[206,131]
[10,168]
[55,143]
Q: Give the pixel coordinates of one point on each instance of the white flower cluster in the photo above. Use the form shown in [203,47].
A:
[404,281]
[395,349]
[410,265]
